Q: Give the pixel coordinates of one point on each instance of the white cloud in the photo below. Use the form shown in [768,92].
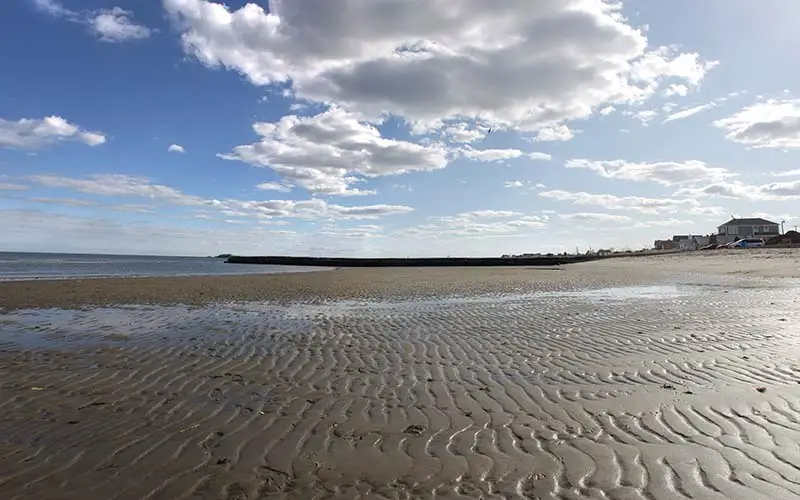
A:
[491,155]
[463,133]
[327,153]
[514,184]
[489,214]
[686,113]
[10,186]
[515,63]
[595,217]
[787,173]
[30,133]
[633,203]
[70,202]
[114,24]
[644,115]
[313,209]
[770,124]
[676,89]
[176,148]
[667,173]
[119,185]
[360,231]
[274,186]
[478,224]
[556,133]
[775,191]
[52,7]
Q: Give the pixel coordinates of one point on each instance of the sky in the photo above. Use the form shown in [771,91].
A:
[393,127]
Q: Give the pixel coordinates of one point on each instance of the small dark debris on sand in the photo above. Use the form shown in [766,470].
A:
[415,430]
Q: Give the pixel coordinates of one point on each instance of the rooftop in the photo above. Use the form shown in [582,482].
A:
[750,222]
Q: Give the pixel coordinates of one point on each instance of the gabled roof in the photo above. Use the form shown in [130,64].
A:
[750,222]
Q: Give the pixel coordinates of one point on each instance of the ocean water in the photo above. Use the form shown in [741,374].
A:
[29,266]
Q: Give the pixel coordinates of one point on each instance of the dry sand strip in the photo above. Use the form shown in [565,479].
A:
[654,392]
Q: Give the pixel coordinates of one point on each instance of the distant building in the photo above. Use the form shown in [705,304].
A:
[693,242]
[664,245]
[749,228]
[682,242]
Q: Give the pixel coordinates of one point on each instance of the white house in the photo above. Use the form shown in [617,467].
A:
[749,228]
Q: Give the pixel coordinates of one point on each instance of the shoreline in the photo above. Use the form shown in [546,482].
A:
[311,286]
[388,283]
[13,279]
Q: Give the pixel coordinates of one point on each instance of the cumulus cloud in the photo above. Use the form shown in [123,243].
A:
[108,25]
[770,124]
[667,173]
[115,25]
[327,153]
[463,132]
[555,133]
[32,133]
[176,148]
[515,63]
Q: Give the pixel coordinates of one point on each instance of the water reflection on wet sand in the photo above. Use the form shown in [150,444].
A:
[616,392]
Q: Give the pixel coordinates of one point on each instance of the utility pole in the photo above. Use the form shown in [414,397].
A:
[782,223]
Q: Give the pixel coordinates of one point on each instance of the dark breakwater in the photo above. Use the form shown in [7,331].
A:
[555,260]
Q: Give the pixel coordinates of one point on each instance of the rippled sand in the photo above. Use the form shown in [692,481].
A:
[681,385]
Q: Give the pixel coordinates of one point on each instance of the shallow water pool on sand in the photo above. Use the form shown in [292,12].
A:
[659,392]
[652,292]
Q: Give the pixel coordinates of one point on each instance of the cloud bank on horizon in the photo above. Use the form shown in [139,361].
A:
[393,127]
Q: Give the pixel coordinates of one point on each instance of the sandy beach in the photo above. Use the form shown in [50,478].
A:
[635,378]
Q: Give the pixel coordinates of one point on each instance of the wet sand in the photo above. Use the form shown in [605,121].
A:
[640,378]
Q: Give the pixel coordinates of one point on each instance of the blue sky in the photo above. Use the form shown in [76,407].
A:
[392,127]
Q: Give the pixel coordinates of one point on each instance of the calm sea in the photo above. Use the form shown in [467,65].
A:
[27,266]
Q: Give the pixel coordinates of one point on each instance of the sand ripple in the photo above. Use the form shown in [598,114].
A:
[607,395]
